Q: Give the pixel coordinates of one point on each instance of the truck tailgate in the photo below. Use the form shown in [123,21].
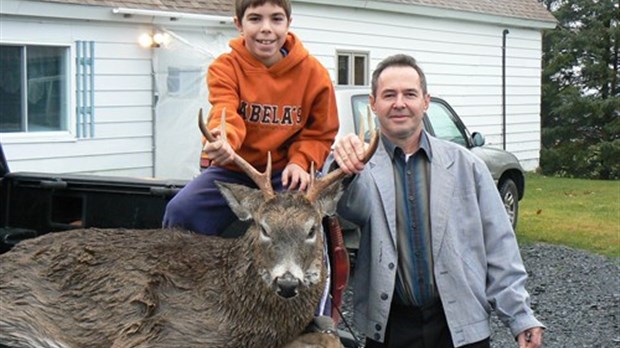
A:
[32,204]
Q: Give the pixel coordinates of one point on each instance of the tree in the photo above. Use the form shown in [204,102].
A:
[580,94]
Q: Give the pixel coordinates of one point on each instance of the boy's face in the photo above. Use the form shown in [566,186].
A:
[264,28]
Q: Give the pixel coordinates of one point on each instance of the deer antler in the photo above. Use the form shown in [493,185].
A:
[262,180]
[318,185]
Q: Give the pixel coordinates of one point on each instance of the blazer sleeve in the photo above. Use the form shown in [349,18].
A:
[506,274]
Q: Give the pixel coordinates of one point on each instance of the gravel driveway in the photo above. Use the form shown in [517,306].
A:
[574,293]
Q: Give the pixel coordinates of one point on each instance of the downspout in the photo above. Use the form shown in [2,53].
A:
[154,102]
[504,33]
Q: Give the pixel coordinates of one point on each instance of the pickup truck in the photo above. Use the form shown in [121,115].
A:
[441,121]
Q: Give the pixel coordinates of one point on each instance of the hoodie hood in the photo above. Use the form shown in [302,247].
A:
[296,54]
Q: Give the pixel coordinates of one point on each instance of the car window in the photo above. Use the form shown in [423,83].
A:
[443,124]
[360,110]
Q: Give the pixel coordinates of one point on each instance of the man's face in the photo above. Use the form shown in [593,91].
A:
[400,103]
[264,28]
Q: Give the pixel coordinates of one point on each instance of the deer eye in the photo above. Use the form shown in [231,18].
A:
[264,233]
[312,232]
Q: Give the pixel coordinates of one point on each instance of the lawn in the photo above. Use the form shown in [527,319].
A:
[578,213]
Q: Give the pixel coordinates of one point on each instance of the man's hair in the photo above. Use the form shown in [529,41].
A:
[242,5]
[397,60]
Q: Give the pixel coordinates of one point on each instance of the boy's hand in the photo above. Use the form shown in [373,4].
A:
[294,176]
[348,153]
[219,152]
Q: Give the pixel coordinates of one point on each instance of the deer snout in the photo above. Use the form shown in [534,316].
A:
[287,285]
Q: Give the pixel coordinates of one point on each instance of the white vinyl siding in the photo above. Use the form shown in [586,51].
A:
[462,62]
[135,135]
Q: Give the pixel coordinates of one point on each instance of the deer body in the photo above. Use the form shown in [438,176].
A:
[159,288]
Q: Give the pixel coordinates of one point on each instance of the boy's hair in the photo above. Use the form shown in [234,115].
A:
[242,5]
[397,60]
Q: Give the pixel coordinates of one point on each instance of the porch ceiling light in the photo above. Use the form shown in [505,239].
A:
[152,40]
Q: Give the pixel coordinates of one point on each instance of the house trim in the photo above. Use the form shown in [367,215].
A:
[174,16]
[120,14]
[110,14]
[437,12]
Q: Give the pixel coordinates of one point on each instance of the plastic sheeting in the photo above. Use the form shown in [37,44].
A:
[179,66]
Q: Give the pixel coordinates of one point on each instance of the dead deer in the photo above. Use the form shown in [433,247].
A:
[172,288]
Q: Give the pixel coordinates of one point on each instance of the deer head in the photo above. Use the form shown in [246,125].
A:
[286,228]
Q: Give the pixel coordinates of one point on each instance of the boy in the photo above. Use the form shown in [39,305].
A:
[277,98]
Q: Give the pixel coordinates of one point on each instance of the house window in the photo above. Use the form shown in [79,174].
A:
[353,68]
[34,93]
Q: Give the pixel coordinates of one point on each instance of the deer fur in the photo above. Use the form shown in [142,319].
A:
[172,288]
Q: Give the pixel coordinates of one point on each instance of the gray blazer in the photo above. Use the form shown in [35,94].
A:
[477,264]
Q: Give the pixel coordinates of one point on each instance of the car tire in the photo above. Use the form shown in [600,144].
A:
[510,198]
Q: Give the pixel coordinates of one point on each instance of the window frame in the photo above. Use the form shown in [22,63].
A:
[440,115]
[69,117]
[351,55]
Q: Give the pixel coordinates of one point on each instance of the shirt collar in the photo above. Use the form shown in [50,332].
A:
[425,146]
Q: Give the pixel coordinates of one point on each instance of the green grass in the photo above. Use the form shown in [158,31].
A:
[579,213]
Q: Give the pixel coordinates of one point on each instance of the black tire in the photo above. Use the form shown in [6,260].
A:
[510,197]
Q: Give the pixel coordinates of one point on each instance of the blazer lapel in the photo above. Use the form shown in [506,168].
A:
[442,188]
[383,175]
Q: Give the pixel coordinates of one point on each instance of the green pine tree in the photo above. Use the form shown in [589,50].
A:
[580,95]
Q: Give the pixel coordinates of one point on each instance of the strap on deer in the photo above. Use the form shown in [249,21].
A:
[339,260]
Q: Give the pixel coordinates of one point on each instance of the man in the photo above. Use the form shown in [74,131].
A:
[438,252]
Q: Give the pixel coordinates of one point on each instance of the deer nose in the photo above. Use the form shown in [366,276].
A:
[287,285]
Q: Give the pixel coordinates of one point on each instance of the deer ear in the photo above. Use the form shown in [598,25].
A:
[241,199]
[329,197]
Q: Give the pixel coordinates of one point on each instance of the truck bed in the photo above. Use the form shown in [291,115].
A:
[32,204]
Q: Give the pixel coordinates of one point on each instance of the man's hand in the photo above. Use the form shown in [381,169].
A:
[349,152]
[219,152]
[294,176]
[531,338]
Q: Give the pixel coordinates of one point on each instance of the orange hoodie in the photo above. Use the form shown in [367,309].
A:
[288,108]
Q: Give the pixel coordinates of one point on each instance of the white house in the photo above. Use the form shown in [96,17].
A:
[79,94]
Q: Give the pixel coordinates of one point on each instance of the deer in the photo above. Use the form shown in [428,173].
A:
[174,288]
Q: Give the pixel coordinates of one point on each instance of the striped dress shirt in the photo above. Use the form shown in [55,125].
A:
[415,284]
